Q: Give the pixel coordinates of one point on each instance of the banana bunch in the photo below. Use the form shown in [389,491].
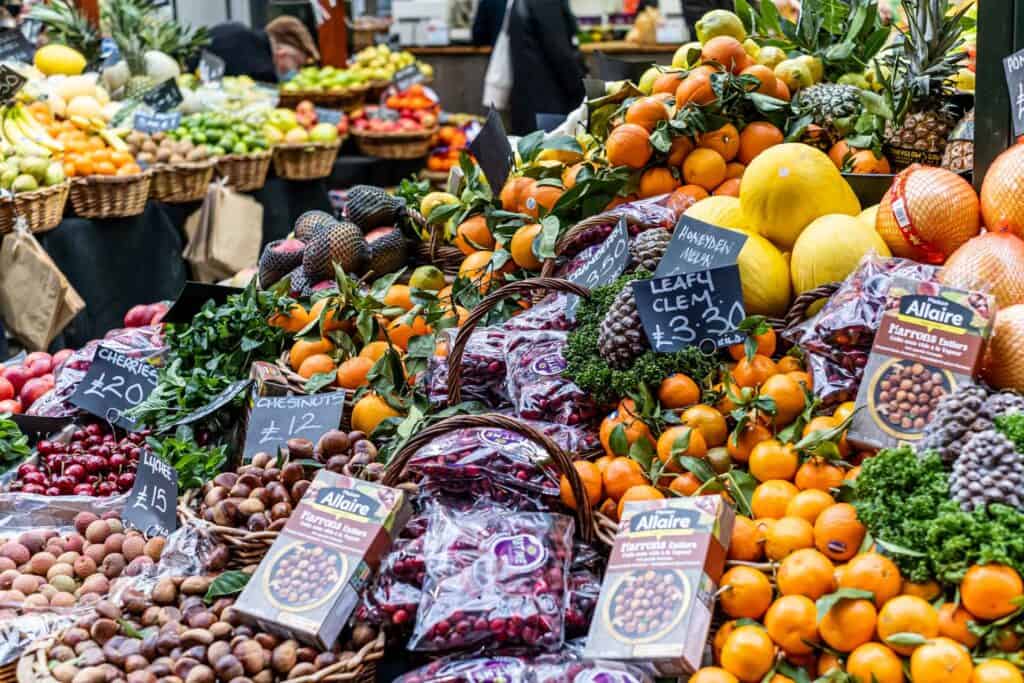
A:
[22,134]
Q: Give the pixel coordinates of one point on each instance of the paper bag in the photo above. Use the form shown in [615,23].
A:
[36,300]
[224,235]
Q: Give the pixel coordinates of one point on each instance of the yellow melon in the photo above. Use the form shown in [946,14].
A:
[869,216]
[830,248]
[787,186]
[1002,192]
[1004,356]
[764,274]
[942,208]
[992,262]
[723,211]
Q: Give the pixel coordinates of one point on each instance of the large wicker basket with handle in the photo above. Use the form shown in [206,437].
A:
[244,172]
[305,160]
[182,182]
[42,209]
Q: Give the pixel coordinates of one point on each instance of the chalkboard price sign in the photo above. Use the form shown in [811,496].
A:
[606,265]
[1013,66]
[493,151]
[113,384]
[275,419]
[697,245]
[151,506]
[331,116]
[163,97]
[155,122]
[10,82]
[211,67]
[15,47]
[408,76]
[702,309]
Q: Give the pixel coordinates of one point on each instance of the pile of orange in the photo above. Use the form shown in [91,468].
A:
[855,160]
[473,237]
[451,142]
[85,151]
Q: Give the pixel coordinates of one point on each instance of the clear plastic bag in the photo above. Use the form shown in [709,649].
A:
[536,387]
[494,580]
[565,666]
[550,313]
[483,369]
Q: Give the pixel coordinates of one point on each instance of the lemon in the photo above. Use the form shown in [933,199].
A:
[687,56]
[723,211]
[771,56]
[795,74]
[751,48]
[815,65]
[646,83]
[59,59]
[720,22]
[435,199]
[854,79]
[562,156]
[429,278]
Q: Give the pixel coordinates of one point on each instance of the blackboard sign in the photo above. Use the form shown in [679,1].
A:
[192,298]
[594,87]
[163,97]
[702,309]
[10,82]
[15,47]
[216,403]
[697,245]
[113,384]
[605,266]
[331,116]
[548,122]
[275,419]
[493,151]
[408,76]
[155,122]
[613,69]
[211,67]
[39,427]
[382,114]
[1013,66]
[151,506]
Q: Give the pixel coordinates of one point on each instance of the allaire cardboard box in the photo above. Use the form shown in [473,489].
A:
[309,582]
[658,592]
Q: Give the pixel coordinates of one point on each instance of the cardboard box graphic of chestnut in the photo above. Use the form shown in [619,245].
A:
[309,582]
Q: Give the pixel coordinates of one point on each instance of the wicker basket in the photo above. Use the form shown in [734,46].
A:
[244,172]
[406,145]
[305,160]
[444,256]
[42,209]
[245,548]
[180,183]
[9,672]
[348,99]
[297,384]
[110,196]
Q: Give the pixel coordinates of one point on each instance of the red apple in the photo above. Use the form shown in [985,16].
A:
[11,406]
[36,355]
[137,316]
[159,311]
[6,390]
[60,357]
[49,378]
[17,376]
[39,367]
[33,389]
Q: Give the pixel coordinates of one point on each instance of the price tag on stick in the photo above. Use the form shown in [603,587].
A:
[151,506]
[408,76]
[10,82]
[605,266]
[331,116]
[275,419]
[155,122]
[696,245]
[211,67]
[493,151]
[1013,66]
[114,384]
[163,97]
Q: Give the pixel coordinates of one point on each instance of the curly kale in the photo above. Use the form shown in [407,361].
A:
[1012,427]
[586,367]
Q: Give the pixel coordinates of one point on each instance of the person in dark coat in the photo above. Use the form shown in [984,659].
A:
[547,75]
[265,56]
[487,21]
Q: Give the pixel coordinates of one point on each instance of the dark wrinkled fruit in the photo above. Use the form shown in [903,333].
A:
[371,207]
[278,259]
[342,244]
[310,223]
[388,250]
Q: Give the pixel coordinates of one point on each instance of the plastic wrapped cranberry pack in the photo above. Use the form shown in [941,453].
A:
[494,580]
[550,313]
[535,384]
[565,666]
[483,368]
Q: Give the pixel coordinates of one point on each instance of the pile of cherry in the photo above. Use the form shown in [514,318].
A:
[93,463]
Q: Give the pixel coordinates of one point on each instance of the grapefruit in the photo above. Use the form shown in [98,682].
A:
[993,262]
[1003,366]
[1002,202]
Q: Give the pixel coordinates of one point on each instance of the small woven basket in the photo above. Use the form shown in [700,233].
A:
[244,172]
[305,160]
[245,547]
[348,99]
[42,209]
[405,145]
[180,183]
[297,384]
[111,196]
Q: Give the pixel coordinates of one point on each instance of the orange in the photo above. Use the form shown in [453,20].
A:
[766,342]
[634,429]
[293,320]
[400,332]
[753,372]
[725,141]
[657,181]
[712,674]
[865,161]
[789,397]
[331,321]
[678,441]
[730,187]
[678,391]
[541,196]
[301,350]
[667,82]
[704,167]
[809,504]
[316,364]
[709,422]
[828,662]
[928,590]
[370,411]
[477,267]
[745,592]
[802,377]
[570,174]
[771,497]
[907,614]
[747,542]
[681,146]
[987,591]
[620,475]
[590,476]
[953,624]
[510,193]
[765,78]
[685,484]
[843,411]
[873,572]
[851,474]
[772,460]
[522,247]
[130,169]
[788,535]
[727,51]
[996,671]
[635,493]
[875,662]
[756,138]
[818,473]
[1007,641]
[782,90]
[734,169]
[788,364]
[941,661]
[603,461]
[352,373]
[398,296]
[838,533]
[748,653]
[720,637]
[647,112]
[629,145]
[805,572]
[740,445]
[848,625]
[103,168]
[824,423]
[375,350]
[791,622]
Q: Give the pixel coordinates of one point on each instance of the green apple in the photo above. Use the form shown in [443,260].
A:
[282,119]
[323,132]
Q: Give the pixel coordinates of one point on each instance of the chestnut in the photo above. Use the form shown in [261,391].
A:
[228,667]
[299,449]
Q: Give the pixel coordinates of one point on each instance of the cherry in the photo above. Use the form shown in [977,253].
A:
[106,488]
[34,477]
[83,489]
[24,469]
[45,447]
[76,472]
[34,488]
[79,435]
[52,491]
[126,481]
[94,429]
[118,460]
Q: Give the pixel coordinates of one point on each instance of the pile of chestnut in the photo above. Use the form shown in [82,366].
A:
[174,636]
[44,571]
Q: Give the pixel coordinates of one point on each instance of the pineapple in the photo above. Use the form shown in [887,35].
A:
[68,26]
[833,107]
[959,154]
[923,63]
[133,50]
